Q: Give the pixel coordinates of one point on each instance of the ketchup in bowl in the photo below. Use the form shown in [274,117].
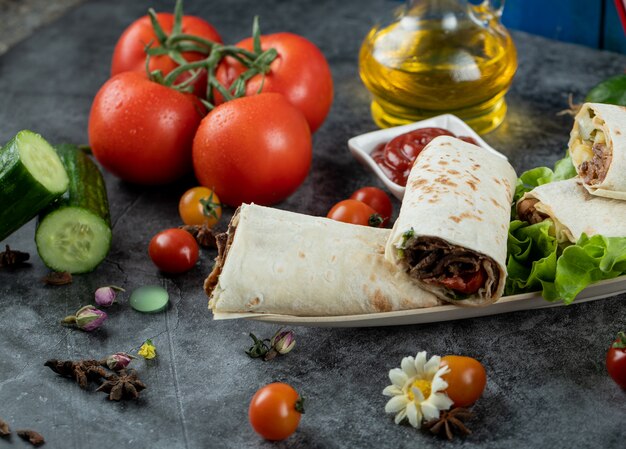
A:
[396,157]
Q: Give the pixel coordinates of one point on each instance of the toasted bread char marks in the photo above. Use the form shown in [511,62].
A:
[380,302]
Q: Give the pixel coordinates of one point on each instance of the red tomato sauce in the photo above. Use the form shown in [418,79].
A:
[396,157]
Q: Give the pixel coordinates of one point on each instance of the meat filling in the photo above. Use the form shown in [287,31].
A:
[434,261]
[224,241]
[527,212]
[594,170]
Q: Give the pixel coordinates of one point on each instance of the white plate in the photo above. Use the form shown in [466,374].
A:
[506,304]
[362,146]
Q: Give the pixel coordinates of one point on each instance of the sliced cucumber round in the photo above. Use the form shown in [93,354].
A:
[31,177]
[74,233]
[73,239]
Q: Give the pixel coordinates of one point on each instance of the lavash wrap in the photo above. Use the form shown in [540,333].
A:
[574,211]
[461,194]
[279,262]
[611,121]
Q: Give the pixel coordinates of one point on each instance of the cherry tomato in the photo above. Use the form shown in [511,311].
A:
[142,131]
[355,212]
[198,206]
[466,380]
[616,360]
[130,55]
[275,411]
[377,200]
[467,285]
[173,250]
[299,72]
[253,149]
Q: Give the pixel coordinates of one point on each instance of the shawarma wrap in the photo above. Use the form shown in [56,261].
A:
[597,146]
[573,211]
[279,262]
[451,234]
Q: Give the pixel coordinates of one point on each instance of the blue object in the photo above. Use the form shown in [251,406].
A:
[594,23]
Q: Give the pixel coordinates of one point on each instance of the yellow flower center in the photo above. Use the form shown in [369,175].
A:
[422,385]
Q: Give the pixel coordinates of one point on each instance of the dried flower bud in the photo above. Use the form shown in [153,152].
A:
[87,318]
[105,296]
[148,350]
[119,361]
[283,341]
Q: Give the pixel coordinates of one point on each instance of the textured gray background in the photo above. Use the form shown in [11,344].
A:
[547,382]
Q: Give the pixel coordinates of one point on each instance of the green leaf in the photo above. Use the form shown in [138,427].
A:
[563,169]
[610,91]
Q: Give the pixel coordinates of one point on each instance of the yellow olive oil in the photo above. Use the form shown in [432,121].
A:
[417,69]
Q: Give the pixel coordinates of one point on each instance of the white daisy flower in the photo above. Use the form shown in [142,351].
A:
[417,390]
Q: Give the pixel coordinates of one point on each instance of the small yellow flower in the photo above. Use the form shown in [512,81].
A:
[148,350]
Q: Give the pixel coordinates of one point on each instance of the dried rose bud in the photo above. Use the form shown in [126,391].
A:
[283,341]
[119,361]
[105,296]
[87,318]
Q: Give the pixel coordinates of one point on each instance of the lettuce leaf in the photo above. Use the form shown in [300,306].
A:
[537,262]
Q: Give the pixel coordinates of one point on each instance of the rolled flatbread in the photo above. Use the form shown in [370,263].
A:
[279,262]
[597,146]
[573,211]
[451,234]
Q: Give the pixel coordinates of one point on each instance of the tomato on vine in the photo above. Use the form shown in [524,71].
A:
[199,206]
[275,411]
[466,380]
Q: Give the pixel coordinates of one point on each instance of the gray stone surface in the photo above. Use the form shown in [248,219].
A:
[547,382]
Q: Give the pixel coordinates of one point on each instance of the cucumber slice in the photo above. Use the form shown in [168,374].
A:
[74,234]
[31,177]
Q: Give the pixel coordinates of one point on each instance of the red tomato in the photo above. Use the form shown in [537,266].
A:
[466,380]
[467,285]
[275,411]
[355,212]
[253,149]
[142,131]
[616,360]
[173,251]
[299,72]
[130,56]
[377,200]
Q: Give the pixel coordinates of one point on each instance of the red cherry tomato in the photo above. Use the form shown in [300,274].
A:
[616,360]
[142,131]
[466,380]
[299,72]
[253,149]
[173,251]
[355,212]
[377,200]
[467,285]
[130,56]
[275,411]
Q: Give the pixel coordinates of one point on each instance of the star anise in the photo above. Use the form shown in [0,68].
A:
[126,385]
[450,422]
[11,259]
[81,370]
[203,235]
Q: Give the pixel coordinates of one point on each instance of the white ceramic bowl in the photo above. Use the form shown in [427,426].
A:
[362,146]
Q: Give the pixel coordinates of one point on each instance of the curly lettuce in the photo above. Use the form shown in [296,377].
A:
[537,262]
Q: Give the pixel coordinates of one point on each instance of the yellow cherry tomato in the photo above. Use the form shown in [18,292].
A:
[198,206]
